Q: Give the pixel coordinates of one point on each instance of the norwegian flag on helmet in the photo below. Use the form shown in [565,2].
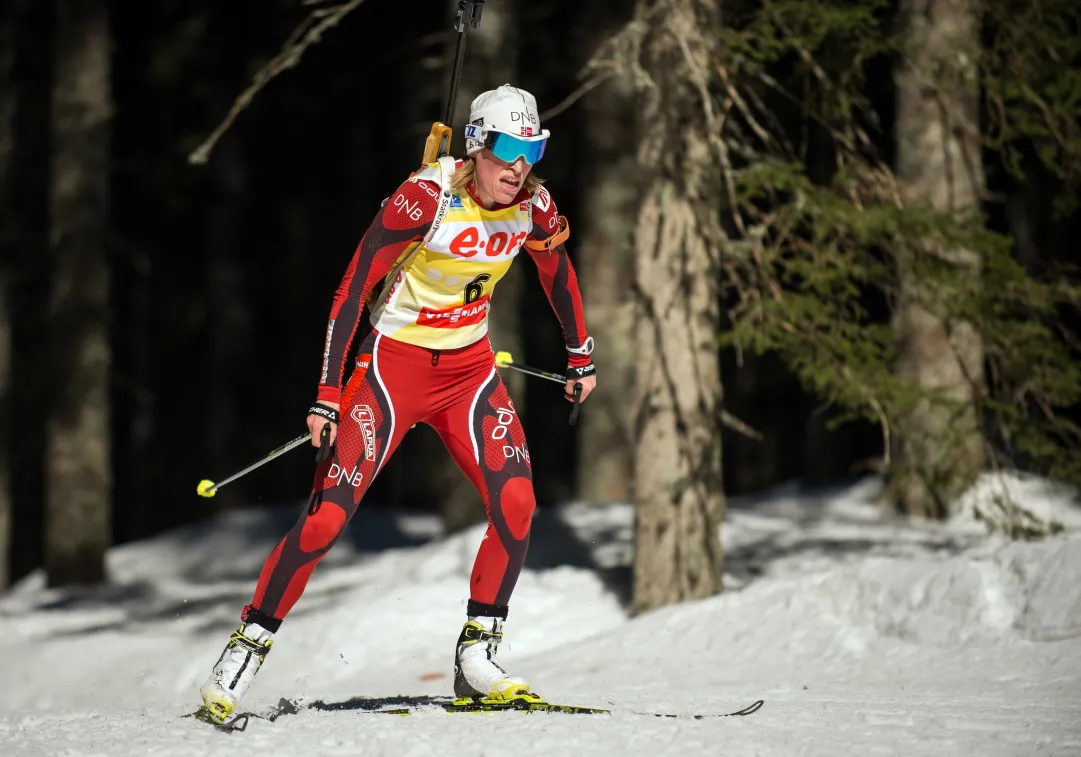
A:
[527,131]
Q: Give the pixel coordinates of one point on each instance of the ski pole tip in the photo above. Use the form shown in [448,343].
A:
[503,358]
[206,488]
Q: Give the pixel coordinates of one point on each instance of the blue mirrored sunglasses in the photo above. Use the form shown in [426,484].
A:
[509,148]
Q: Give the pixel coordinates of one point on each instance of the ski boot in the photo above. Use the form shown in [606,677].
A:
[235,669]
[477,675]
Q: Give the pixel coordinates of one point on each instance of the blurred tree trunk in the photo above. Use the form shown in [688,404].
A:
[605,235]
[78,448]
[8,255]
[939,446]
[490,60]
[679,499]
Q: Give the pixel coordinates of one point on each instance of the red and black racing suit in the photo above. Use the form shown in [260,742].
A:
[458,392]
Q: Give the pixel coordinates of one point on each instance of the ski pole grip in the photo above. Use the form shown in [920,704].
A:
[577,404]
[323,452]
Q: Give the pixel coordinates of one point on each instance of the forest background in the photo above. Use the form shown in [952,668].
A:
[815,239]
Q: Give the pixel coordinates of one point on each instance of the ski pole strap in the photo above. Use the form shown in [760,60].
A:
[323,411]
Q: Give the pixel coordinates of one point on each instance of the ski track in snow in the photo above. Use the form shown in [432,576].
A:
[864,634]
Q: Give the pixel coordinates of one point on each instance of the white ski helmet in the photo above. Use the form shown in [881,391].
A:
[505,121]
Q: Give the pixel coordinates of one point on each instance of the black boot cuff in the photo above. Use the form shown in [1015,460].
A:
[479,609]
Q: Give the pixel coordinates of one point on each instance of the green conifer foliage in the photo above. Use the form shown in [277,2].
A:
[808,250]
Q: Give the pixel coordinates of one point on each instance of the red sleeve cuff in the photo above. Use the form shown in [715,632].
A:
[329,394]
[577,361]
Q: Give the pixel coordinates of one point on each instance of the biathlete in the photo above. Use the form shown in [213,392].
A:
[438,246]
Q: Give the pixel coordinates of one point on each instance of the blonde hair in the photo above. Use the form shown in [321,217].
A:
[464,175]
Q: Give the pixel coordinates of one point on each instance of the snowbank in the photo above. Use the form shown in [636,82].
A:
[863,633]
[999,493]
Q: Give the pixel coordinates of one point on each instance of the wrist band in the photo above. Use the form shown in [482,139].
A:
[576,372]
[324,412]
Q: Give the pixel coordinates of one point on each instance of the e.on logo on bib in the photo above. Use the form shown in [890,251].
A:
[469,243]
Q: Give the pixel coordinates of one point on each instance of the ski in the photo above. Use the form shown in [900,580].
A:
[518,704]
[750,709]
[478,706]
[405,706]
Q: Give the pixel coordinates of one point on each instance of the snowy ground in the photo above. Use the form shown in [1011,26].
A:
[864,636]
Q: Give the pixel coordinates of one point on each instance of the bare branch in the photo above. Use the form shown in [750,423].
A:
[766,138]
[736,424]
[576,95]
[307,33]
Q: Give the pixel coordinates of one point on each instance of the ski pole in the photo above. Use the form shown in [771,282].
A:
[506,360]
[208,488]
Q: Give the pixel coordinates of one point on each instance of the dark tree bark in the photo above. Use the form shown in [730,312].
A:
[78,476]
[679,499]
[940,449]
